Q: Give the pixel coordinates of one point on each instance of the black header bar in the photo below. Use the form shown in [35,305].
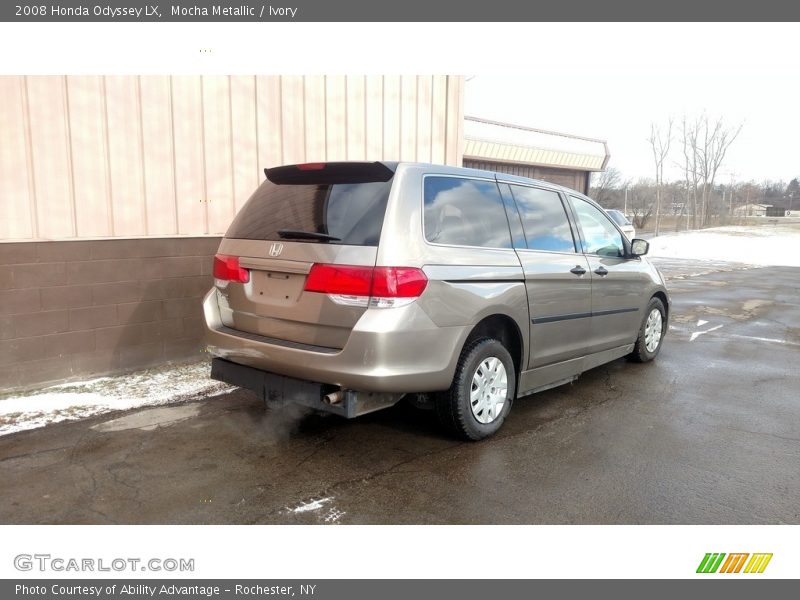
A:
[400,11]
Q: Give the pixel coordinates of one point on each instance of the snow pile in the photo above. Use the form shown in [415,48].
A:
[765,245]
[77,400]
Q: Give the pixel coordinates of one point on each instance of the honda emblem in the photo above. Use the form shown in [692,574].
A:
[276,249]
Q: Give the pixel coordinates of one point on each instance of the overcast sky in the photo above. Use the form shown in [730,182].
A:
[619,108]
[605,80]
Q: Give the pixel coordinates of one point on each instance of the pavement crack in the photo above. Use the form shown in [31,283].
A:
[338,486]
[314,451]
[34,453]
[102,514]
[563,415]
[765,433]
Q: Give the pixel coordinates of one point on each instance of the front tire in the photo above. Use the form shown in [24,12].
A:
[651,332]
[483,389]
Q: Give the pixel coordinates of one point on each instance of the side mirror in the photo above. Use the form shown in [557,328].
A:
[639,247]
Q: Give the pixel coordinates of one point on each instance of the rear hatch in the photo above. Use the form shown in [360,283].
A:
[302,215]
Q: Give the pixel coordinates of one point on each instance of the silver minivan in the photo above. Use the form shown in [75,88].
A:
[347,286]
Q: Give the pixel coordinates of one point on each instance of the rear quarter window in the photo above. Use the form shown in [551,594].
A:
[461,211]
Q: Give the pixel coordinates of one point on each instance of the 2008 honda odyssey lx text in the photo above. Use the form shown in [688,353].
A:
[346,286]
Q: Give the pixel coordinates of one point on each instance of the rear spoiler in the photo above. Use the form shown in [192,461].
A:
[329,173]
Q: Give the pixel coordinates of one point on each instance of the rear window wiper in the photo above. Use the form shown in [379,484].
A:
[297,234]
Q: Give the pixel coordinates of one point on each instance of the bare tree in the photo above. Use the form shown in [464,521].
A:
[792,192]
[689,136]
[641,203]
[659,143]
[604,183]
[710,148]
[705,144]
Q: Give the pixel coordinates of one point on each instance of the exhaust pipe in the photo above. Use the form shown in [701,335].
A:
[334,398]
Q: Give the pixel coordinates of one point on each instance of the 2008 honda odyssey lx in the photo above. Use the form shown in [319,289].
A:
[346,286]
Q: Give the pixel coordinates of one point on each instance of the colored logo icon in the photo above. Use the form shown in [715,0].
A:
[717,562]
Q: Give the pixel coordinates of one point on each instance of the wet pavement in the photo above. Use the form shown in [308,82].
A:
[707,434]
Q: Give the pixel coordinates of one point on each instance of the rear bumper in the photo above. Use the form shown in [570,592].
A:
[277,389]
[397,350]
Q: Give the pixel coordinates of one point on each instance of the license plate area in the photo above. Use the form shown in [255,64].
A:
[277,288]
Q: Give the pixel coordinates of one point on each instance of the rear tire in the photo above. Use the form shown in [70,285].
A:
[483,390]
[651,332]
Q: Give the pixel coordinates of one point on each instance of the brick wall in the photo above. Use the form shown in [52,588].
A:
[71,309]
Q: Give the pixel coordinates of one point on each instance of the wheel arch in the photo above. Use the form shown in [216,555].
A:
[663,297]
[504,329]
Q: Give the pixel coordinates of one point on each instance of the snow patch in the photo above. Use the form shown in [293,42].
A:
[322,509]
[333,516]
[81,399]
[766,245]
[310,506]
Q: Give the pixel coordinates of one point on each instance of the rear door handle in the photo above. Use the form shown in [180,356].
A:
[578,270]
[601,271]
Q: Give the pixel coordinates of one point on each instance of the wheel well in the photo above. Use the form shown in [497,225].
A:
[503,329]
[663,297]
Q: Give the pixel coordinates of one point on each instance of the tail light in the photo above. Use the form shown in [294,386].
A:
[226,268]
[380,287]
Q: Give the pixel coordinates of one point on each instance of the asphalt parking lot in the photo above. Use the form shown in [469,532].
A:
[707,434]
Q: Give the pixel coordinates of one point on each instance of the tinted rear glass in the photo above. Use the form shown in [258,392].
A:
[352,212]
[617,217]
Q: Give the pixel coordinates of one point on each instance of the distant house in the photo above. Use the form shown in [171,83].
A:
[752,210]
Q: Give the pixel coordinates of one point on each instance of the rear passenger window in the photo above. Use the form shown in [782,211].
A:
[465,212]
[543,219]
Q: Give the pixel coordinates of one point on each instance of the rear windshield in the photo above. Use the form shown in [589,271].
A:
[617,217]
[352,212]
